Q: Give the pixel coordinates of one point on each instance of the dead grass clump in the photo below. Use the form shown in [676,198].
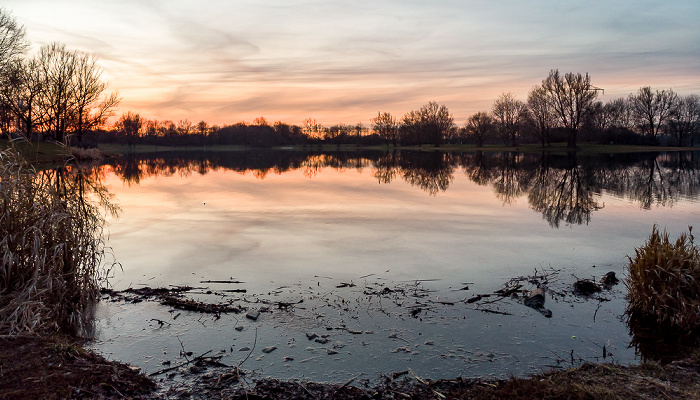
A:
[664,281]
[81,154]
[51,251]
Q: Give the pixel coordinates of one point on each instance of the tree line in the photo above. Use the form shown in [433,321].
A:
[563,108]
[58,95]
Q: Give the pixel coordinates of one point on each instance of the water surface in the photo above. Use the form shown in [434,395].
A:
[294,226]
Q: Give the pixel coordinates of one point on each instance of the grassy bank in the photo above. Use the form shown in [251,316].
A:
[528,148]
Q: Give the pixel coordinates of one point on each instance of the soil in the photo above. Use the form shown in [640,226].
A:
[34,367]
[56,368]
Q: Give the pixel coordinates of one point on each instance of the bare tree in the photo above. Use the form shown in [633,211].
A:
[652,109]
[130,125]
[539,116]
[20,93]
[508,112]
[431,124]
[620,113]
[58,68]
[386,126]
[684,122]
[86,109]
[202,128]
[571,97]
[184,127]
[312,128]
[12,39]
[479,126]
[12,45]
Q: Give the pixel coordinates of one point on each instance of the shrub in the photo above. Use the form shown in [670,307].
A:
[664,281]
[51,250]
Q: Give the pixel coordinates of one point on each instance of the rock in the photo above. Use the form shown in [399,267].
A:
[354,332]
[586,287]
[254,315]
[321,340]
[429,343]
[401,350]
[238,328]
[268,350]
[311,335]
[244,349]
[535,299]
[331,352]
[609,279]
[287,359]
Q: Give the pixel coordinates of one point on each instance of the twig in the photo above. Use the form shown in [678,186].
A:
[307,390]
[438,394]
[251,350]
[179,365]
[345,385]
[160,321]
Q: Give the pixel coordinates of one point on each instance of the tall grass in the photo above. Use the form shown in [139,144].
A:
[51,252]
[664,281]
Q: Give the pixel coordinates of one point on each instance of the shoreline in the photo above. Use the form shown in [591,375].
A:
[61,368]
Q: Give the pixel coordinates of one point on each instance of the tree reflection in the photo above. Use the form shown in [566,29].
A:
[564,188]
[564,194]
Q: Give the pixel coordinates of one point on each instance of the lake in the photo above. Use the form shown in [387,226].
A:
[368,263]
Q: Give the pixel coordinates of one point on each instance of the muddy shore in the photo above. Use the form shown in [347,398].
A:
[55,368]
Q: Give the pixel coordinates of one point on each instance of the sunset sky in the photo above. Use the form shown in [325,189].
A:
[342,61]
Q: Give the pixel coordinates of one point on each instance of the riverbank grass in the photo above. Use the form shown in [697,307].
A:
[664,281]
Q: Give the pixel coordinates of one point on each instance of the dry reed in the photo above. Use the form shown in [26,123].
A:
[664,281]
[80,154]
[51,252]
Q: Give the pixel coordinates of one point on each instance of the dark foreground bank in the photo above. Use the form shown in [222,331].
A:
[51,368]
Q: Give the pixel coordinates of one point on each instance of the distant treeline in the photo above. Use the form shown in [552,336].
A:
[564,108]
[58,95]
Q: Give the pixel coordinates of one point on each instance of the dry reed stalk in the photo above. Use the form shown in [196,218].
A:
[51,250]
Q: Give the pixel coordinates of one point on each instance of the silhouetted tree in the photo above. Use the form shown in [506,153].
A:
[479,126]
[539,116]
[571,98]
[652,109]
[88,111]
[507,113]
[130,126]
[13,42]
[684,121]
[386,126]
[22,86]
[431,124]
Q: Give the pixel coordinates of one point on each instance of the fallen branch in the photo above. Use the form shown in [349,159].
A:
[198,358]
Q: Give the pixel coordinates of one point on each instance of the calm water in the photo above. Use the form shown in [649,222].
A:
[295,226]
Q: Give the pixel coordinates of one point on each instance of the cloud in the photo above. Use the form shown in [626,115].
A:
[224,61]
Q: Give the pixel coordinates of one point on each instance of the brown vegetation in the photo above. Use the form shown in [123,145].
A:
[52,247]
[664,280]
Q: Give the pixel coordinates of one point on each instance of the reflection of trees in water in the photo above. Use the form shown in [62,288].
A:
[564,194]
[563,187]
[431,171]
[660,180]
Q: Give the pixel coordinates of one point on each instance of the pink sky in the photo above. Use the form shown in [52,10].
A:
[341,61]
